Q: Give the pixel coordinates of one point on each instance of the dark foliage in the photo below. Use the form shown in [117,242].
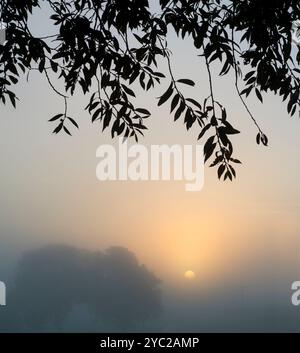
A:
[104,47]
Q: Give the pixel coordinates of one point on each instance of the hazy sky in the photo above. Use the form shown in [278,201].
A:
[49,191]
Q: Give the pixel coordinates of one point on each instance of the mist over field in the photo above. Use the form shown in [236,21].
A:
[61,288]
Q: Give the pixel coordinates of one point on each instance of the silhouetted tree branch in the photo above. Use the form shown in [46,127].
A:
[106,46]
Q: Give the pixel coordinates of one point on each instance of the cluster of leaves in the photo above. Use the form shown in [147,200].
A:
[207,118]
[21,49]
[104,47]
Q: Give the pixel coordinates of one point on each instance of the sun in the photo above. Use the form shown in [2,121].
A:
[189,274]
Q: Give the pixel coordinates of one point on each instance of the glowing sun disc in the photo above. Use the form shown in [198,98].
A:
[189,274]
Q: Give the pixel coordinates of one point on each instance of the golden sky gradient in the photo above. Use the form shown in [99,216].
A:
[49,191]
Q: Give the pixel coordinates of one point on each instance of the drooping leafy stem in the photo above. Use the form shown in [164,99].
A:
[237,71]
[224,155]
[214,118]
[62,117]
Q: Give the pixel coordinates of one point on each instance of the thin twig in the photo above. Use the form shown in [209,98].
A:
[237,84]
